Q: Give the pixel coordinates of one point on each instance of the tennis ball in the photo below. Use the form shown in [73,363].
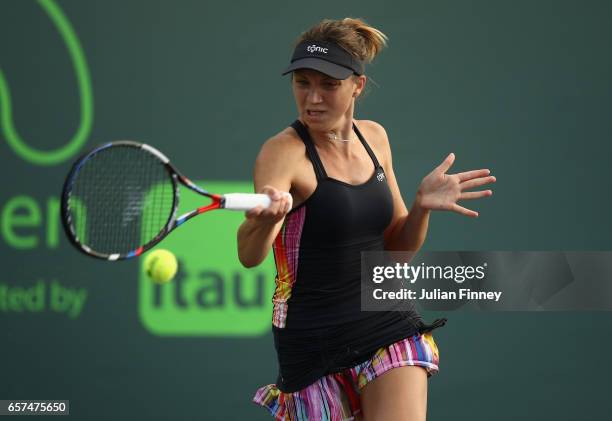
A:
[160,265]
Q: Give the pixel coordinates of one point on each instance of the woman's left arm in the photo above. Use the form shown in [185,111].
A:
[437,191]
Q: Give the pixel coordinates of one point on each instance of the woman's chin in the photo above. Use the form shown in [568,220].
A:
[316,123]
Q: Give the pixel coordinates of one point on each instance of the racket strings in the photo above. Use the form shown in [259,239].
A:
[121,199]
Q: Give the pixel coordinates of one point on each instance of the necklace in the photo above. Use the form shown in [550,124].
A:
[333,136]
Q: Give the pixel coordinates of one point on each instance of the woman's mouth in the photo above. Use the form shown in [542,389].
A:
[314,113]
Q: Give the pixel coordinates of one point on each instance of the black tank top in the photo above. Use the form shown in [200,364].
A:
[318,324]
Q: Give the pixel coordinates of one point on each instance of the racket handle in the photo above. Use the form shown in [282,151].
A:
[245,201]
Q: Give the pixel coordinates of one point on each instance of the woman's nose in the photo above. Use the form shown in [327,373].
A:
[314,96]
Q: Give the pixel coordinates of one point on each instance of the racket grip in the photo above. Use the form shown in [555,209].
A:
[245,201]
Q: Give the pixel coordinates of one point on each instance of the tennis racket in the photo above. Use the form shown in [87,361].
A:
[121,198]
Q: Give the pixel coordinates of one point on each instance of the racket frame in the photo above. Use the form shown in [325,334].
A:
[218,201]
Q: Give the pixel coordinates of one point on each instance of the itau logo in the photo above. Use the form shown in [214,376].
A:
[316,49]
[212,294]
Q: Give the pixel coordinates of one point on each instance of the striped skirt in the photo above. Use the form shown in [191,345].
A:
[335,397]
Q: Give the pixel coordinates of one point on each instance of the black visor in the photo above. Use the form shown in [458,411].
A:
[325,57]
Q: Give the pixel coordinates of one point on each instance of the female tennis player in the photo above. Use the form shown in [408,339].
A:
[335,361]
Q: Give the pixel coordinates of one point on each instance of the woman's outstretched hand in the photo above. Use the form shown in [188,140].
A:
[442,191]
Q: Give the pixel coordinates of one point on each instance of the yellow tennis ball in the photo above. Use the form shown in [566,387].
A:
[160,265]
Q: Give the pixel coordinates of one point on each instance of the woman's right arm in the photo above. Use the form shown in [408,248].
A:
[273,174]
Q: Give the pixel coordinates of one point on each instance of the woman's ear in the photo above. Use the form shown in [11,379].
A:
[360,82]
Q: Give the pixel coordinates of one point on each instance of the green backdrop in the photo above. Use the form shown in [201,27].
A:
[520,87]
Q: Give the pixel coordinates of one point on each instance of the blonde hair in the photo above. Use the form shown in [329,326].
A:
[354,35]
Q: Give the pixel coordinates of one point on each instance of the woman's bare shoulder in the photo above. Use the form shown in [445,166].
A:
[376,135]
[371,126]
[286,143]
[281,154]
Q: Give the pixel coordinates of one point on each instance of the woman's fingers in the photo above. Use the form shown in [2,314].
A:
[464,211]
[446,164]
[468,175]
[273,193]
[285,201]
[288,202]
[256,211]
[276,205]
[470,184]
[475,194]
[280,204]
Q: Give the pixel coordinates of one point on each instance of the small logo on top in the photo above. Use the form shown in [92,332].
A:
[316,49]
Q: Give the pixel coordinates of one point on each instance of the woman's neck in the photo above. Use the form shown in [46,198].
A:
[340,136]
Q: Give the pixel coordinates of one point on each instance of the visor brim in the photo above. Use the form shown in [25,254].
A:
[330,69]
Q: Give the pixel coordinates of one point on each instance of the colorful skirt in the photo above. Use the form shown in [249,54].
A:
[335,397]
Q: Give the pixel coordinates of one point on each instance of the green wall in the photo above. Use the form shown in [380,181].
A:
[520,87]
